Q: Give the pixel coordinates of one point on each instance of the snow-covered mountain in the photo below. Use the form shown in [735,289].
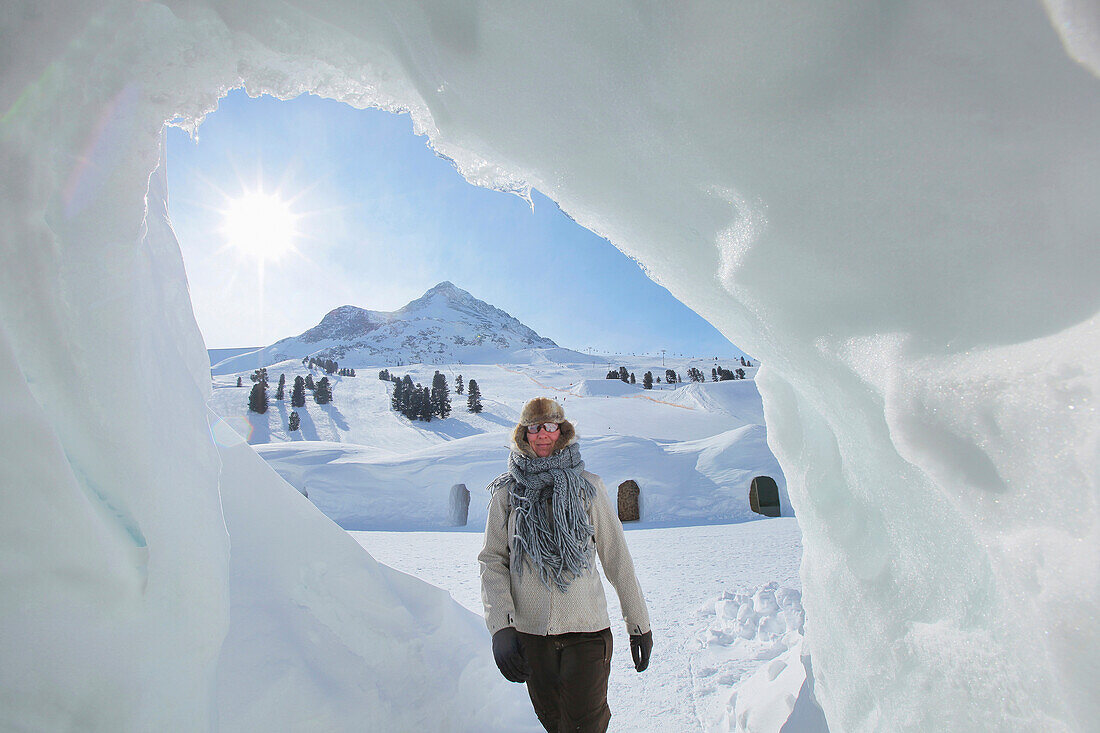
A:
[445,325]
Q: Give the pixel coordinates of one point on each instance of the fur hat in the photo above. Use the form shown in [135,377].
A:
[540,410]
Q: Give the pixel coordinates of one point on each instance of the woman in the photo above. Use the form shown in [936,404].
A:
[543,596]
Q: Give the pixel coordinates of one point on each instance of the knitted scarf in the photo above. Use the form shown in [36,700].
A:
[559,541]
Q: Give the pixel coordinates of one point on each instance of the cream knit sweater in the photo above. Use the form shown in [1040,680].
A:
[522,601]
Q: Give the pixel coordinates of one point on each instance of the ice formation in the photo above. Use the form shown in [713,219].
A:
[904,192]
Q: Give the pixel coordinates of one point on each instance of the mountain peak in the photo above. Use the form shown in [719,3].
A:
[449,290]
[444,325]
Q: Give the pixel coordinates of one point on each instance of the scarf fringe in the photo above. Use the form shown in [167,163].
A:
[559,544]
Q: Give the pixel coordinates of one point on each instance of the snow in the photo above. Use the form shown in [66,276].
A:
[683,571]
[893,207]
[322,637]
[692,448]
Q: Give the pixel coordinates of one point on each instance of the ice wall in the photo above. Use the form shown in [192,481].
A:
[908,191]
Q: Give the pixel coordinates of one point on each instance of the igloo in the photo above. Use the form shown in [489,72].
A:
[893,207]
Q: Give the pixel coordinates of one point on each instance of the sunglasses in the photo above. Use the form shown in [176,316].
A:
[550,427]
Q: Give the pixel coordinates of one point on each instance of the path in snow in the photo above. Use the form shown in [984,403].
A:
[680,570]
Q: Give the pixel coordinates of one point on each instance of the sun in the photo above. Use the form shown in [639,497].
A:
[259,225]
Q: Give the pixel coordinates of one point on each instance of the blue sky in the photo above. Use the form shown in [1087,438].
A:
[380,219]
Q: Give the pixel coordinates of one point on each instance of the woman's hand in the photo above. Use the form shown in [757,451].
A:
[509,656]
[640,647]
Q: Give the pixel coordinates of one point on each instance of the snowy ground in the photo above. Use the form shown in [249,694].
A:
[698,656]
[694,448]
[721,582]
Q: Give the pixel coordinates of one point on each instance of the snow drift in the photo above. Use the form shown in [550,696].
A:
[905,192]
[690,482]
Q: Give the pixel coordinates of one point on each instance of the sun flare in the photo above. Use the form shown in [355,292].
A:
[260,225]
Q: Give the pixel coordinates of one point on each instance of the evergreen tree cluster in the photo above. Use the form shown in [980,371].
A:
[672,377]
[260,375]
[384,375]
[620,374]
[417,402]
[721,374]
[329,366]
[647,380]
[298,393]
[745,362]
[696,375]
[346,372]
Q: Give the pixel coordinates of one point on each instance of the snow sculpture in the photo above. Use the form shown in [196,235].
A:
[892,206]
[459,505]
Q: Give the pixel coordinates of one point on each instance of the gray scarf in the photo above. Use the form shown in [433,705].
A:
[558,542]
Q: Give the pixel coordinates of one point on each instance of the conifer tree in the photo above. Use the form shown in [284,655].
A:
[647,380]
[427,409]
[408,394]
[282,386]
[322,394]
[295,421]
[473,397]
[670,376]
[740,373]
[309,382]
[257,398]
[395,398]
[458,384]
[623,374]
[298,394]
[714,375]
[441,396]
[632,380]
[239,382]
[415,406]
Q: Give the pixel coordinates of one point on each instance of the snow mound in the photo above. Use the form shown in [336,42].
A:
[748,634]
[737,398]
[605,388]
[698,481]
[396,652]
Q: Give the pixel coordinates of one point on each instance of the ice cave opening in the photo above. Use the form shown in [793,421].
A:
[903,194]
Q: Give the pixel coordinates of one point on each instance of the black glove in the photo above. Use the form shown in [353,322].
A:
[640,647]
[509,656]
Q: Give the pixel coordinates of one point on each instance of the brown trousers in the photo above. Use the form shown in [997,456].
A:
[568,683]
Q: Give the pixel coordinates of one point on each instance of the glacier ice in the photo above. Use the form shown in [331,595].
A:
[892,206]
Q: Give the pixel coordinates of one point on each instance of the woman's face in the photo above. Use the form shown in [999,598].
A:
[543,441]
